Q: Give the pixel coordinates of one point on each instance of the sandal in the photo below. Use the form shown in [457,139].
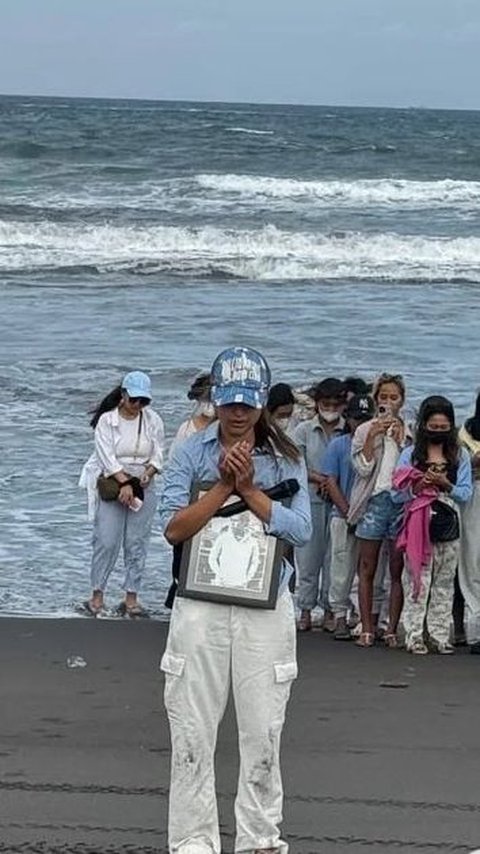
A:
[390,640]
[418,647]
[328,623]
[305,622]
[133,611]
[365,639]
[91,609]
[443,648]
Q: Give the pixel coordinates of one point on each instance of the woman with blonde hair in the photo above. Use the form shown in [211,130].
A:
[376,447]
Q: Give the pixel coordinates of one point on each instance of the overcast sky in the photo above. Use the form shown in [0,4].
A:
[361,52]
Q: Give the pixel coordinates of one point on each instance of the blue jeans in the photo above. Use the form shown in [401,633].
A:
[381,520]
[116,528]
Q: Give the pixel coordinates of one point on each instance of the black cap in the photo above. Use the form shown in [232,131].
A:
[360,407]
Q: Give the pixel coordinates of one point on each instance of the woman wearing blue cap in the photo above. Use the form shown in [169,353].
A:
[214,646]
[129,446]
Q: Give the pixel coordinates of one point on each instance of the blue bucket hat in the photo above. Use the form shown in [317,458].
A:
[240,375]
[137,384]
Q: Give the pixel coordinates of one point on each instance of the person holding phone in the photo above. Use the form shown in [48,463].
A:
[212,647]
[376,447]
[433,477]
[129,443]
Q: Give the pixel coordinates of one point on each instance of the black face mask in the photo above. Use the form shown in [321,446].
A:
[438,437]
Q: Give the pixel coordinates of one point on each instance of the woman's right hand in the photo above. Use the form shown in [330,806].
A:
[126,495]
[227,477]
[425,482]
[380,427]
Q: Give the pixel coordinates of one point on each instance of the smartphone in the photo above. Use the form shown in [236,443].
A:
[384,411]
[136,505]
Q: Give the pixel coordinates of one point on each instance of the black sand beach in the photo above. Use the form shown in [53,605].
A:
[381,750]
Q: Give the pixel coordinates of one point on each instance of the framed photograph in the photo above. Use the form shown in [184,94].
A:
[231,560]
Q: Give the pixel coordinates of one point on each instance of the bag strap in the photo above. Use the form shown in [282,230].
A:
[139,433]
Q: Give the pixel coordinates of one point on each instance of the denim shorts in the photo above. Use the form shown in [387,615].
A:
[382,519]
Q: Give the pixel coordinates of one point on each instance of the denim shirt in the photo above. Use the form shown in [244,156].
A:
[196,461]
[313,440]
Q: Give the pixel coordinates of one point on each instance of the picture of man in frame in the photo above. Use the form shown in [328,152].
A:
[235,554]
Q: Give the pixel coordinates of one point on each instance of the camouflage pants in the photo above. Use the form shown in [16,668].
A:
[432,612]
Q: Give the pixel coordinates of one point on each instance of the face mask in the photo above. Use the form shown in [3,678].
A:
[327,416]
[204,407]
[437,437]
[282,423]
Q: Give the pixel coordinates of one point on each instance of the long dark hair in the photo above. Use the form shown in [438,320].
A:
[111,401]
[271,438]
[436,405]
[472,425]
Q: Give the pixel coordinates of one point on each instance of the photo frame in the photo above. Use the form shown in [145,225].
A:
[231,560]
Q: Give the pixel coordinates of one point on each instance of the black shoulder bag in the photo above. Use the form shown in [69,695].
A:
[444,522]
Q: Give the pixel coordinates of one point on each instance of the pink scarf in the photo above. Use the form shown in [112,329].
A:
[414,537]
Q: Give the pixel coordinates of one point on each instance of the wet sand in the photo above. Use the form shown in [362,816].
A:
[381,750]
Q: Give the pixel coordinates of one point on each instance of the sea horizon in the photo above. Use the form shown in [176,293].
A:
[216,101]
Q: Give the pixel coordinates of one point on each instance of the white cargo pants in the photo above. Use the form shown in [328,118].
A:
[210,647]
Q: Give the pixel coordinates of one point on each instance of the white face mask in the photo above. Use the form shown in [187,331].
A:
[283,423]
[204,407]
[327,416]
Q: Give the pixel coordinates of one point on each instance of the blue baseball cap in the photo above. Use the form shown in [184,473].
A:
[137,384]
[240,375]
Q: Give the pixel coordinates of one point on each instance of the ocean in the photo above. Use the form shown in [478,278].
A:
[150,235]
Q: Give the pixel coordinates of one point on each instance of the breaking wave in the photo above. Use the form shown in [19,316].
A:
[264,254]
[444,193]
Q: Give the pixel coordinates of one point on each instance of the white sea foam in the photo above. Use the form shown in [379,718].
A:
[264,254]
[379,192]
[218,191]
[252,131]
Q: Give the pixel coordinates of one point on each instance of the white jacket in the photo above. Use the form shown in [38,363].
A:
[104,459]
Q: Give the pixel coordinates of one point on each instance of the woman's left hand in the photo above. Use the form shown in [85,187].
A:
[397,432]
[239,461]
[438,479]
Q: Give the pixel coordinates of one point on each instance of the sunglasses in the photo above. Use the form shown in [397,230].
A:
[142,401]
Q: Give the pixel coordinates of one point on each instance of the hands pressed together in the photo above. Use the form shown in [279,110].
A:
[126,496]
[236,468]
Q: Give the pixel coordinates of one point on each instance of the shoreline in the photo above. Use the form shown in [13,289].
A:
[380,751]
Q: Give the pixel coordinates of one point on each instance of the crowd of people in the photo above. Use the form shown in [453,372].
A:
[394,513]
[379,531]
[394,555]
